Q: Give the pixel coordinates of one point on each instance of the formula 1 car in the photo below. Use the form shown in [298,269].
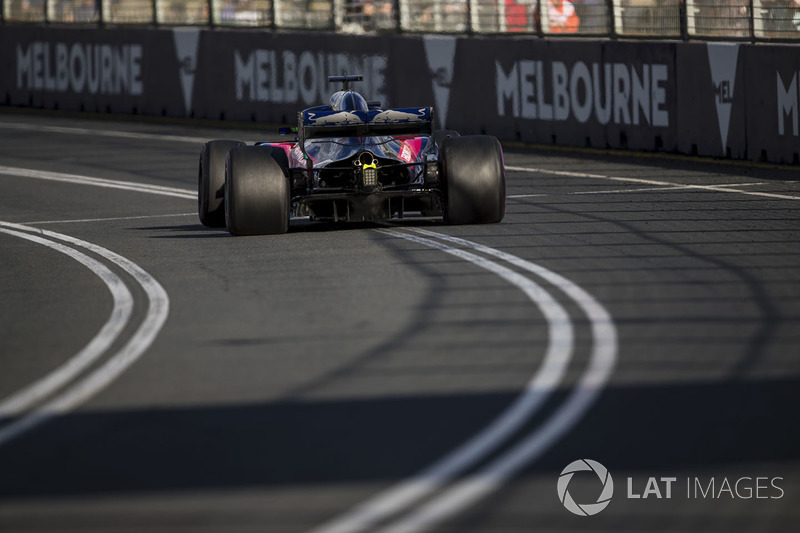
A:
[352,161]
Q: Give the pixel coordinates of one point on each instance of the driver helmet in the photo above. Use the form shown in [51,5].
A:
[348,101]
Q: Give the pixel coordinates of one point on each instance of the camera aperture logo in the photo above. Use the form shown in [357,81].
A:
[750,487]
[585,509]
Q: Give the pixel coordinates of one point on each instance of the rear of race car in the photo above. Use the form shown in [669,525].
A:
[353,161]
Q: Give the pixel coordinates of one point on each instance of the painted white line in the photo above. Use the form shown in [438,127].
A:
[97,380]
[109,219]
[748,184]
[384,505]
[119,318]
[493,476]
[672,188]
[557,355]
[101,133]
[98,182]
[644,189]
[626,191]
[615,191]
[715,188]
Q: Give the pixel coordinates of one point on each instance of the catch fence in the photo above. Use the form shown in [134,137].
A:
[745,20]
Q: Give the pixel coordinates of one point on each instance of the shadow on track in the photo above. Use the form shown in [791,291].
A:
[296,226]
[696,426]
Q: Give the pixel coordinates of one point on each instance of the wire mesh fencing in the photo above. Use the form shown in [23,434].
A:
[756,20]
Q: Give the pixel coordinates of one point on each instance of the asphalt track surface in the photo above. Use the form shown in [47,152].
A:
[642,312]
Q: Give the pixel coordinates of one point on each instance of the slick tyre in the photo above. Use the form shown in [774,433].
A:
[440,135]
[211,182]
[474,180]
[257,191]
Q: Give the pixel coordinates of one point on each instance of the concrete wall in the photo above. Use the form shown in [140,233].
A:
[715,99]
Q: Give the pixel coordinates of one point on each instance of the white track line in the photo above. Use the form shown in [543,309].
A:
[491,477]
[108,219]
[516,196]
[140,341]
[101,133]
[672,188]
[98,182]
[201,140]
[547,378]
[715,188]
[400,497]
[643,189]
[119,318]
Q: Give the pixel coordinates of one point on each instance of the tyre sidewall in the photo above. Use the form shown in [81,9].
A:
[257,191]
[474,180]
[211,182]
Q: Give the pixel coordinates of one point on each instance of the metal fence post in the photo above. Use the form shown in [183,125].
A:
[277,13]
[337,13]
[402,13]
[473,12]
[272,14]
[759,29]
[611,19]
[616,13]
[751,21]
[397,27]
[683,16]
[538,22]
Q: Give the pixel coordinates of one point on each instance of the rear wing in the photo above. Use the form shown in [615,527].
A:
[372,123]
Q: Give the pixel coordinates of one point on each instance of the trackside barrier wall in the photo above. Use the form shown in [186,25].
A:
[717,99]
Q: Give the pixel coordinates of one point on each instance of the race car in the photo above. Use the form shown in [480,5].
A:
[352,161]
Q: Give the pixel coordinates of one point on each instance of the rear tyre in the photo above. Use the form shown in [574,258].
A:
[211,182]
[257,191]
[474,180]
[440,135]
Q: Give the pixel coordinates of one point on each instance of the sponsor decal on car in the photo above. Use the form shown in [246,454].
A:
[405,153]
[339,118]
[394,115]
